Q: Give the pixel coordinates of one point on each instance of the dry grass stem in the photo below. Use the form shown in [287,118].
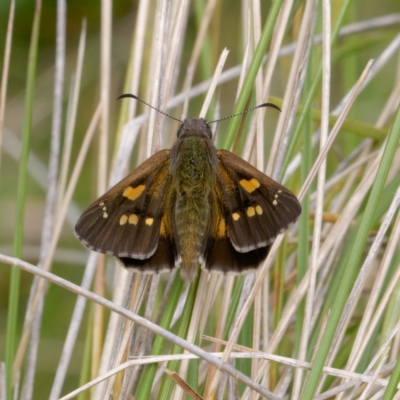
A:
[252,336]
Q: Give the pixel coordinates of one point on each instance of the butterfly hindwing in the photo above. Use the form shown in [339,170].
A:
[126,221]
[255,207]
[221,256]
[163,260]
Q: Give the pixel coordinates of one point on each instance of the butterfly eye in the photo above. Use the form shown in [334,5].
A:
[209,133]
[179,130]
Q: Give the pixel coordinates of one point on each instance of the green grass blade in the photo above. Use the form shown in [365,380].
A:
[21,196]
[304,223]
[350,125]
[315,84]
[168,384]
[252,73]
[352,263]
[391,388]
[146,381]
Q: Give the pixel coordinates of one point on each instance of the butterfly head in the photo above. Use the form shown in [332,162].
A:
[194,127]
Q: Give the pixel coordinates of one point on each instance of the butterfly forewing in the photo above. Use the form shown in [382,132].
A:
[256,207]
[126,221]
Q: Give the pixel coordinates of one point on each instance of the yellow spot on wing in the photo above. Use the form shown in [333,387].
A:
[133,193]
[251,212]
[133,219]
[105,215]
[259,209]
[149,221]
[249,186]
[274,202]
[235,216]
[123,220]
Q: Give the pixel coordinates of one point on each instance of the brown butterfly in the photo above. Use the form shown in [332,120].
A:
[190,205]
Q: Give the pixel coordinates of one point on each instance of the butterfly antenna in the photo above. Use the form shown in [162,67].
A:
[246,111]
[132,96]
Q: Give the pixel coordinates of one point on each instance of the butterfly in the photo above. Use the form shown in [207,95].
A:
[190,205]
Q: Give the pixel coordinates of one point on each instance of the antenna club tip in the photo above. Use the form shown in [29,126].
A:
[128,95]
[270,105]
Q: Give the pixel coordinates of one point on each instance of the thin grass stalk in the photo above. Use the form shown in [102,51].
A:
[383,349]
[315,247]
[298,294]
[105,75]
[313,89]
[214,81]
[304,225]
[158,57]
[48,222]
[390,318]
[390,50]
[193,329]
[172,64]
[167,385]
[388,291]
[128,335]
[98,315]
[133,75]
[102,167]
[72,113]
[332,244]
[256,25]
[126,142]
[138,53]
[119,330]
[140,320]
[283,360]
[223,325]
[84,375]
[273,54]
[21,197]
[394,380]
[57,230]
[256,18]
[375,377]
[252,72]
[356,289]
[3,395]
[372,298]
[6,67]
[293,91]
[395,299]
[206,51]
[354,258]
[129,135]
[146,381]
[199,51]
[215,284]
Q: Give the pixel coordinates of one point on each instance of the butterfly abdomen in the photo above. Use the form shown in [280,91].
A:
[194,185]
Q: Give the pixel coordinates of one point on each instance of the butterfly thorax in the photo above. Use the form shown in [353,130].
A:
[193,186]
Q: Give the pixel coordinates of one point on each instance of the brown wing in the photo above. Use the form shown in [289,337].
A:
[256,207]
[253,210]
[221,255]
[126,221]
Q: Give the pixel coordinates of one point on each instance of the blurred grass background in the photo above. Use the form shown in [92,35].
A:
[350,56]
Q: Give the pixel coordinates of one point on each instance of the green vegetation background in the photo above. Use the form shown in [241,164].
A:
[59,302]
